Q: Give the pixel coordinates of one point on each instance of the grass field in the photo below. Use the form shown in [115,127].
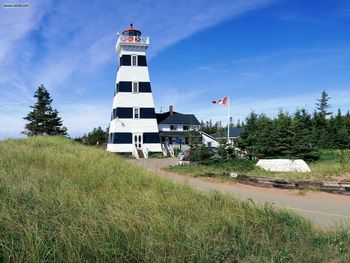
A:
[334,165]
[65,202]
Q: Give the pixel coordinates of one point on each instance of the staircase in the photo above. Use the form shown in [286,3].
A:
[167,150]
[140,153]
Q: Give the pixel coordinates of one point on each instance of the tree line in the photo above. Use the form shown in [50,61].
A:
[298,135]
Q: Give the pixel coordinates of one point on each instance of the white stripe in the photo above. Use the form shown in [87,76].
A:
[128,99]
[133,125]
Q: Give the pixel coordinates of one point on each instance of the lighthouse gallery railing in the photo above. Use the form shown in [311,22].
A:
[133,39]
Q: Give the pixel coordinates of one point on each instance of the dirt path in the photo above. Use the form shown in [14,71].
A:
[323,209]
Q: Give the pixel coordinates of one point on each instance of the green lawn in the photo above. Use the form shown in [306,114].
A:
[333,165]
[65,202]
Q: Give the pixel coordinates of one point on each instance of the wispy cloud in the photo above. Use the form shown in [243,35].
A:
[62,43]
[250,75]
[241,107]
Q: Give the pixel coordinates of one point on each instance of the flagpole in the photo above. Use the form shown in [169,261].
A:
[228,118]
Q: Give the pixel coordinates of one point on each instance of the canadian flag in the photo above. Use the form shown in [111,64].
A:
[221,101]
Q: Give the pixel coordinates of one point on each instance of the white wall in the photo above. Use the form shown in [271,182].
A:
[133,125]
[166,127]
[128,99]
[208,140]
[151,147]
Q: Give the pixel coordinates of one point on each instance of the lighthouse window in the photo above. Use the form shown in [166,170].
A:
[136,113]
[134,60]
[135,87]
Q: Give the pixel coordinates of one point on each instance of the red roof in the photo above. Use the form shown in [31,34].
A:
[131,29]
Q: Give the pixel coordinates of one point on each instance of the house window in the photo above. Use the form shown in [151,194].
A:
[186,127]
[135,87]
[134,60]
[173,127]
[136,113]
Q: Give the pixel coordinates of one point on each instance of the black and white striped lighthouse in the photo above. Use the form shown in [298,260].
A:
[133,127]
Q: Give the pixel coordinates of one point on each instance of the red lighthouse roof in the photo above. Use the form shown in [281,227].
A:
[131,31]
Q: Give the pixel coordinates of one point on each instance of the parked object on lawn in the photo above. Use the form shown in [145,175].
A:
[284,165]
[184,155]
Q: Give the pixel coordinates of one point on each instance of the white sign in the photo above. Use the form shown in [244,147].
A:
[284,165]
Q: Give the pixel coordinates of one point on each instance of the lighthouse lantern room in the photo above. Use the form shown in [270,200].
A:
[133,127]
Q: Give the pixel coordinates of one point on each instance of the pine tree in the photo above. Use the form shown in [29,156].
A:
[248,138]
[320,131]
[282,127]
[265,137]
[43,120]
[323,104]
[303,146]
[96,136]
[347,121]
[340,133]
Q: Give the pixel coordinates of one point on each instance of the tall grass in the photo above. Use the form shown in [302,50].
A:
[65,202]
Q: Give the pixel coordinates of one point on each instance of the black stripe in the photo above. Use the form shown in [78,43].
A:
[141,61]
[127,113]
[125,60]
[151,137]
[120,138]
[145,87]
[126,86]
[126,137]
[123,113]
[147,113]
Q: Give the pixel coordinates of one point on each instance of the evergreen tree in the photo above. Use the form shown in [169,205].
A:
[265,144]
[347,122]
[248,139]
[320,131]
[96,136]
[43,120]
[209,128]
[303,146]
[283,133]
[323,104]
[340,132]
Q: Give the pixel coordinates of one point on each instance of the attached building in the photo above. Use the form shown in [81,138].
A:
[176,128]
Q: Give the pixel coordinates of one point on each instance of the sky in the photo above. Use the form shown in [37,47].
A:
[266,55]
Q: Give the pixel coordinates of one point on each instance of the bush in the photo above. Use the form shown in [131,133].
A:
[177,151]
[226,152]
[200,154]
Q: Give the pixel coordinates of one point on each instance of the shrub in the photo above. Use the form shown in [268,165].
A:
[200,154]
[177,151]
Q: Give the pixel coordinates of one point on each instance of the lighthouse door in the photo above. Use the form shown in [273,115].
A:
[137,140]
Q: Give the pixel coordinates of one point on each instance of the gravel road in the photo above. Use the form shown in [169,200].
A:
[323,209]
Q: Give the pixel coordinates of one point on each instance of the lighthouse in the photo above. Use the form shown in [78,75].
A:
[133,127]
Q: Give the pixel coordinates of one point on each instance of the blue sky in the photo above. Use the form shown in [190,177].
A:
[264,54]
